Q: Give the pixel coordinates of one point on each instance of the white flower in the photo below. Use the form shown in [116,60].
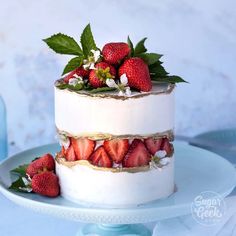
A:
[75,80]
[111,83]
[90,63]
[128,91]
[124,79]
[160,153]
[164,161]
[63,140]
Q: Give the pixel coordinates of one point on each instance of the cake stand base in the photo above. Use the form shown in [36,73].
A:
[114,230]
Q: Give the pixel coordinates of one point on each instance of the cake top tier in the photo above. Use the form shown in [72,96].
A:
[120,67]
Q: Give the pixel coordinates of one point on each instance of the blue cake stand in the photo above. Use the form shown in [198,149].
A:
[196,170]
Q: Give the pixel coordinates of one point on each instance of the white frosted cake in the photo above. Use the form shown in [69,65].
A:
[114,113]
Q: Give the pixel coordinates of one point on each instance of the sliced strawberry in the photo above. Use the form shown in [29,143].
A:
[116,149]
[100,158]
[83,147]
[70,154]
[153,145]
[166,146]
[137,155]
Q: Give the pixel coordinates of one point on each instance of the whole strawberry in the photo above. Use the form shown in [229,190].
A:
[44,163]
[46,184]
[113,53]
[137,73]
[79,72]
[98,76]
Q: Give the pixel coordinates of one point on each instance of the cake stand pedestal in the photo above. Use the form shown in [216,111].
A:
[193,175]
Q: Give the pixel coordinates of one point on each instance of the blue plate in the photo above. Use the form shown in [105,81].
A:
[197,170]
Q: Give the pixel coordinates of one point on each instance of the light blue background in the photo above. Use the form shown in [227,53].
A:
[198,39]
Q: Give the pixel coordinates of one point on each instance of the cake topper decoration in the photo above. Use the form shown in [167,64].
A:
[98,68]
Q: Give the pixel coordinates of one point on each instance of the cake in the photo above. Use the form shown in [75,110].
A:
[114,115]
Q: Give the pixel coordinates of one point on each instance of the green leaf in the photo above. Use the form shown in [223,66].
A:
[20,170]
[170,79]
[73,64]
[157,70]
[87,41]
[77,87]
[20,186]
[150,58]
[140,48]
[102,89]
[131,46]
[63,44]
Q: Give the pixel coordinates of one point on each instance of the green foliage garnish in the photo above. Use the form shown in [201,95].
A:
[87,41]
[20,170]
[73,64]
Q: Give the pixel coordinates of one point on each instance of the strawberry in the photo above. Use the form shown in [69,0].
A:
[98,76]
[100,158]
[137,73]
[78,71]
[70,154]
[83,147]
[153,145]
[137,155]
[46,184]
[166,146]
[113,53]
[116,149]
[44,163]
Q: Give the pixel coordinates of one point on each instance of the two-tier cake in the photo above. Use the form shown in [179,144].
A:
[114,114]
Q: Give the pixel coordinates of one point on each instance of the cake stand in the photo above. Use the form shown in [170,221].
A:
[196,171]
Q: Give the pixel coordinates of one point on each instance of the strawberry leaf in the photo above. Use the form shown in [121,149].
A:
[20,186]
[140,48]
[131,46]
[63,44]
[87,41]
[20,170]
[77,87]
[150,58]
[73,64]
[157,70]
[169,79]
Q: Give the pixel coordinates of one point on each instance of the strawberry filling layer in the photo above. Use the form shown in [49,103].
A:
[117,153]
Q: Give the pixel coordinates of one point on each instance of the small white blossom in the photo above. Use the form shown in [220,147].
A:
[111,83]
[124,79]
[75,80]
[63,140]
[121,93]
[128,91]
[90,63]
[164,161]
[160,153]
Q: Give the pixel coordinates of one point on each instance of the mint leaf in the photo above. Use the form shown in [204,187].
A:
[20,186]
[131,46]
[87,41]
[20,170]
[150,58]
[140,48]
[169,79]
[102,89]
[73,64]
[63,44]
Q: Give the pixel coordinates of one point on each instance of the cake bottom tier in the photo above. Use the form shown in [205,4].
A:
[86,185]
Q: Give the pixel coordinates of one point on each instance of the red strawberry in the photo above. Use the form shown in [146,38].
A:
[137,73]
[70,154]
[46,162]
[137,155]
[113,53]
[83,147]
[101,158]
[153,145]
[46,184]
[166,146]
[78,71]
[117,149]
[103,71]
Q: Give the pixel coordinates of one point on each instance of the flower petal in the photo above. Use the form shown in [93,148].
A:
[124,79]
[111,83]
